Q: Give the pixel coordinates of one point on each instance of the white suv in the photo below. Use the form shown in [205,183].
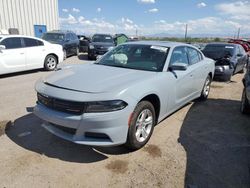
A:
[20,53]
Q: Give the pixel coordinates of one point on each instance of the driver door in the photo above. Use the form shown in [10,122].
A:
[183,79]
[13,57]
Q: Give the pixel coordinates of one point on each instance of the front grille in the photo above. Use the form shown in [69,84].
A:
[65,129]
[70,107]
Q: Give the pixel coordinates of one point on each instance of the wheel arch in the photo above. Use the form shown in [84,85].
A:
[155,101]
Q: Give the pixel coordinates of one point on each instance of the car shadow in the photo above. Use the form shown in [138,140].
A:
[27,132]
[216,137]
[21,73]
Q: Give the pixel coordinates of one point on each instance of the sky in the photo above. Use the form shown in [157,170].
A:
[149,17]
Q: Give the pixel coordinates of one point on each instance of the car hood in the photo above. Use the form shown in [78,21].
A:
[93,78]
[103,44]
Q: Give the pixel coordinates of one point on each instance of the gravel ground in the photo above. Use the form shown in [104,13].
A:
[205,144]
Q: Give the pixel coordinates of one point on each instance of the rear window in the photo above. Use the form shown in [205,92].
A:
[218,51]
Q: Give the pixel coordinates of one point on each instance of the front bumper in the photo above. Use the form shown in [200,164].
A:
[223,71]
[95,52]
[95,129]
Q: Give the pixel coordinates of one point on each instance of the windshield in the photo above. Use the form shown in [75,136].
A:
[133,56]
[218,51]
[102,38]
[53,37]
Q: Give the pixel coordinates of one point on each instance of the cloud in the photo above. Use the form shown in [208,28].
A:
[65,10]
[239,10]
[75,10]
[201,5]
[153,10]
[146,1]
[99,9]
[69,20]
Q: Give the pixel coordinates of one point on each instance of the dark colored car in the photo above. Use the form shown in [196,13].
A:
[100,44]
[245,101]
[229,59]
[67,39]
[84,43]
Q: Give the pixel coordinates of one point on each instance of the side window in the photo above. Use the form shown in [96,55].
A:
[242,50]
[12,43]
[68,36]
[179,55]
[40,43]
[30,42]
[194,56]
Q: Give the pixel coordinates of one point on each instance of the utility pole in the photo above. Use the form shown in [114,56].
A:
[186,30]
[238,36]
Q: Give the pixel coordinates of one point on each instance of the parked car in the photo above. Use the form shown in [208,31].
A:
[20,53]
[100,44]
[230,59]
[84,43]
[243,43]
[67,39]
[245,101]
[122,96]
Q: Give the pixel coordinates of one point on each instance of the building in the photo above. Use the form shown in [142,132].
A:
[29,17]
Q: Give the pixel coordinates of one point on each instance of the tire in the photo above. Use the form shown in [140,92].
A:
[245,106]
[227,78]
[141,125]
[206,88]
[64,54]
[77,51]
[242,71]
[50,63]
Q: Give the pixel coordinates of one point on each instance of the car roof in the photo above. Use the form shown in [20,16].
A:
[59,31]
[8,36]
[223,44]
[161,43]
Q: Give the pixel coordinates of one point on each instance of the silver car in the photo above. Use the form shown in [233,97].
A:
[122,96]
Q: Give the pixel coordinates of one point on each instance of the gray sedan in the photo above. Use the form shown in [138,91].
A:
[122,96]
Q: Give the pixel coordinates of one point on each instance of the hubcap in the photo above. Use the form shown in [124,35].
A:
[207,87]
[51,63]
[144,125]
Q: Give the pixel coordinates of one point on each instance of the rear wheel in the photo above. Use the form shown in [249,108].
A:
[206,88]
[77,51]
[64,54]
[50,63]
[245,106]
[141,126]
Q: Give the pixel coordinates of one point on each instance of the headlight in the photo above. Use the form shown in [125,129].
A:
[91,46]
[110,48]
[105,106]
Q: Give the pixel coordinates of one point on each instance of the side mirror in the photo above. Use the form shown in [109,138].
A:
[178,66]
[2,47]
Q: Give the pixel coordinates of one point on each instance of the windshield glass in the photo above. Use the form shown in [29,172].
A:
[133,56]
[102,38]
[218,51]
[53,37]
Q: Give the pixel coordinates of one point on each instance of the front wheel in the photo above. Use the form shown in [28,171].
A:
[50,63]
[141,125]
[206,88]
[245,106]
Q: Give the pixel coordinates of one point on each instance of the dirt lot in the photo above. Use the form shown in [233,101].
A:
[205,144]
